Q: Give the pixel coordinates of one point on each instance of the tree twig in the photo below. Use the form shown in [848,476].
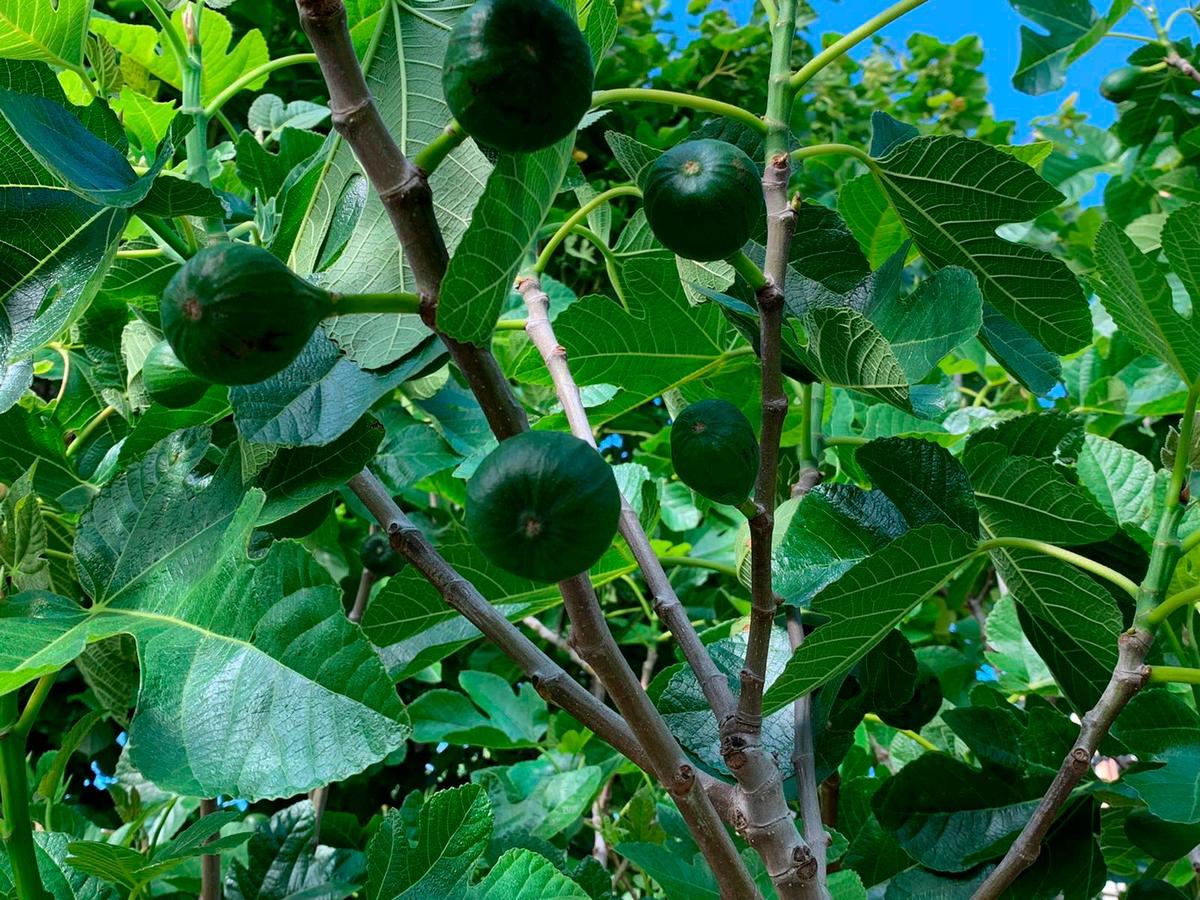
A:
[365,582]
[693,791]
[1129,676]
[1175,61]
[548,678]
[594,641]
[404,190]
[210,866]
[804,764]
[1127,680]
[760,812]
[550,636]
[712,681]
[772,828]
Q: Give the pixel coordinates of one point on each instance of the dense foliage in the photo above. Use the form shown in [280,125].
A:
[882,486]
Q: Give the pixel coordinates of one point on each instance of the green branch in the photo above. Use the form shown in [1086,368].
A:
[1166,540]
[17,830]
[577,218]
[170,34]
[1076,559]
[253,75]
[832,150]
[842,46]
[33,706]
[1174,675]
[684,101]
[694,562]
[196,142]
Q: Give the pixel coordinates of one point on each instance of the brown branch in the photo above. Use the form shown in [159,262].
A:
[1127,679]
[804,764]
[781,224]
[1185,68]
[808,792]
[771,829]
[666,602]
[594,641]
[661,754]
[406,196]
[758,807]
[365,583]
[404,190]
[551,682]
[548,678]
[210,866]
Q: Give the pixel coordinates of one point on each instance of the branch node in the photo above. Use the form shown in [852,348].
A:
[348,116]
[685,778]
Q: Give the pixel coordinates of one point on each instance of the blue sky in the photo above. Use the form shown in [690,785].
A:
[999,26]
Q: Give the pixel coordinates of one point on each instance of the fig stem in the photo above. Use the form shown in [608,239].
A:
[358,304]
[744,266]
[436,151]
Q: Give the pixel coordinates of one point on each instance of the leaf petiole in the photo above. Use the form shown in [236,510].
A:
[578,217]
[684,101]
[843,45]
[1174,675]
[833,149]
[1068,556]
[253,75]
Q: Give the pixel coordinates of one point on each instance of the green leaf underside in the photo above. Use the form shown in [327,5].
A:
[403,68]
[453,831]
[1163,729]
[933,181]
[52,33]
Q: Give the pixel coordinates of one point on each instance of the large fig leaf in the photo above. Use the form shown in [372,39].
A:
[255,684]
